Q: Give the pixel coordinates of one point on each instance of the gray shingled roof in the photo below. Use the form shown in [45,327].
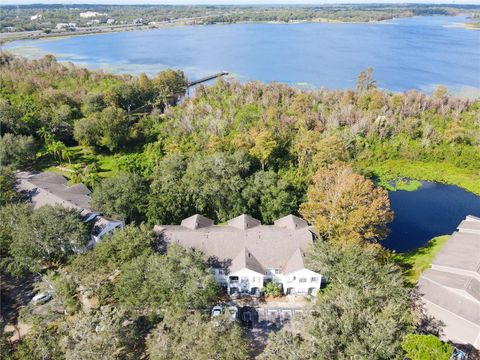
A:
[271,245]
[462,251]
[243,222]
[451,288]
[246,260]
[50,188]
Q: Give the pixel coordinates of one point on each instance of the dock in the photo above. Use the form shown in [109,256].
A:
[207,78]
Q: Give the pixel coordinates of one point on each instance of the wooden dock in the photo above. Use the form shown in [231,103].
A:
[207,78]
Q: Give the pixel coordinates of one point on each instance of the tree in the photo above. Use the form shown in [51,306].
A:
[264,145]
[345,207]
[40,344]
[210,185]
[426,347]
[124,195]
[195,337]
[109,129]
[107,333]
[365,81]
[11,217]
[48,235]
[170,85]
[180,279]
[8,194]
[90,269]
[268,197]
[363,312]
[17,150]
[330,149]
[168,201]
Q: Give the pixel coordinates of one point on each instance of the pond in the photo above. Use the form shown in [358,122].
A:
[432,210]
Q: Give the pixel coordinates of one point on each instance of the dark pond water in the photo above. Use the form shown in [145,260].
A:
[408,53]
[432,210]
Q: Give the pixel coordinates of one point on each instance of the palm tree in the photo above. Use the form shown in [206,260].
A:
[45,135]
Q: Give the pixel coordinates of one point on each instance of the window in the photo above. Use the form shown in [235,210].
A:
[221,272]
[294,278]
[302,280]
[314,279]
[234,278]
[278,271]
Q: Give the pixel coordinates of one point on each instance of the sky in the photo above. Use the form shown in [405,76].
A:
[232,2]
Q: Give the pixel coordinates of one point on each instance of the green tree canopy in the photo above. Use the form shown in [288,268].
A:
[426,347]
[124,196]
[45,236]
[195,337]
[179,279]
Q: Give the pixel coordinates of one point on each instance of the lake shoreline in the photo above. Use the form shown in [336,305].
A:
[39,35]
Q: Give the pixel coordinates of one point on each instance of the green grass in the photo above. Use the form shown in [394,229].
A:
[106,164]
[395,170]
[414,262]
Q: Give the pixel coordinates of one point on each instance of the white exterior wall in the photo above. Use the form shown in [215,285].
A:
[302,282]
[247,279]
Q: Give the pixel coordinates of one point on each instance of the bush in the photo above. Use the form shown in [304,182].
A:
[426,347]
[272,289]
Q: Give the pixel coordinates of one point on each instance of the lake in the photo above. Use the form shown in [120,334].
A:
[432,210]
[406,53]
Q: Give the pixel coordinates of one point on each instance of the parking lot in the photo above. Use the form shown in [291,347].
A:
[263,321]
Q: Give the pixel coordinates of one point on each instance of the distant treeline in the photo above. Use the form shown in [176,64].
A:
[45,17]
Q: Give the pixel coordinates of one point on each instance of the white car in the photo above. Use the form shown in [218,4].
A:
[233,310]
[217,311]
[42,297]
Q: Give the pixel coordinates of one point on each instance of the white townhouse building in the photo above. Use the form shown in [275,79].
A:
[246,254]
[49,188]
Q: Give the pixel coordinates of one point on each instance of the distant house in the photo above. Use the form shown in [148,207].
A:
[450,289]
[49,188]
[246,254]
[139,21]
[61,26]
[110,21]
[90,14]
[36,17]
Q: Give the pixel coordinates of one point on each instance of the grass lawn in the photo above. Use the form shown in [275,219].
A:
[395,170]
[414,262]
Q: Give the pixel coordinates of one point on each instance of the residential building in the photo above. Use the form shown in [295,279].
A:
[90,14]
[61,26]
[246,254]
[49,188]
[450,289]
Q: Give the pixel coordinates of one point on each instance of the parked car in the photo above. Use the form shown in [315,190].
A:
[217,311]
[42,297]
[233,310]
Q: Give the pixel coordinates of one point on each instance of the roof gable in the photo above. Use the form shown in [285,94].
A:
[291,222]
[246,260]
[244,222]
[295,262]
[196,222]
